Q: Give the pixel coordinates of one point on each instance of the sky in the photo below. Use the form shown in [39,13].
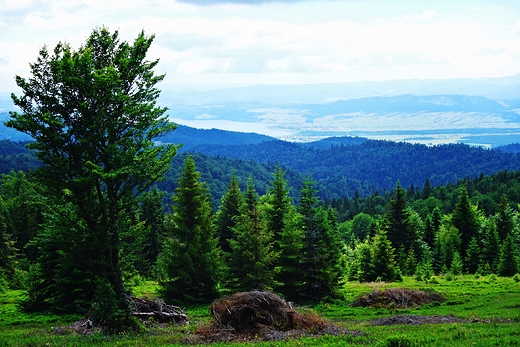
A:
[206,44]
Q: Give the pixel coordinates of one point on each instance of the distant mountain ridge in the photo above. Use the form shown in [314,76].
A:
[340,166]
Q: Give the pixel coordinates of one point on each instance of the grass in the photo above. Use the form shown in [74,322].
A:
[490,303]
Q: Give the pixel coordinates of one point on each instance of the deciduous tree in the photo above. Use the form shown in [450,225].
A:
[93,115]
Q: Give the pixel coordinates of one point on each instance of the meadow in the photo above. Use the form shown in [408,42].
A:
[488,305]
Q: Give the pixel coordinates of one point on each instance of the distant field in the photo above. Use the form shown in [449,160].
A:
[489,306]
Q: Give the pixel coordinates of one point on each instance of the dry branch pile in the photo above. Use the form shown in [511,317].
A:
[417,320]
[263,316]
[158,311]
[397,298]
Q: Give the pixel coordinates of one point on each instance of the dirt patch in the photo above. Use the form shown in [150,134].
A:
[417,320]
[397,298]
[263,316]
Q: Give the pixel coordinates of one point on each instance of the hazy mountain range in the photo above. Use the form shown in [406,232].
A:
[483,112]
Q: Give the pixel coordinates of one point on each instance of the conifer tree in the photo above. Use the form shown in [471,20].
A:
[399,227]
[7,248]
[448,239]
[278,203]
[465,219]
[383,262]
[23,208]
[473,256]
[432,224]
[152,213]
[322,248]
[190,258]
[291,261]
[252,260]
[508,257]
[230,208]
[504,219]
[363,269]
[491,247]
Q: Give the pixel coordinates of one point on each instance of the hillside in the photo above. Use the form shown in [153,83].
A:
[339,165]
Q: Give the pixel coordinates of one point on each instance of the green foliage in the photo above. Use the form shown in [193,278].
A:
[230,209]
[464,218]
[253,258]
[151,213]
[398,221]
[383,262]
[291,260]
[189,262]
[278,202]
[473,256]
[456,264]
[107,312]
[508,257]
[92,113]
[322,246]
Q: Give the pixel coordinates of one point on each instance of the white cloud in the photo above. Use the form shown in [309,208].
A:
[278,42]
[425,16]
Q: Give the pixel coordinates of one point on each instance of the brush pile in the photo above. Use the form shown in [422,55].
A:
[397,298]
[259,315]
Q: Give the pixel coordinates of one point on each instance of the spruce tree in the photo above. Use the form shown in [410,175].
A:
[399,226]
[508,257]
[278,203]
[230,208]
[504,219]
[292,258]
[383,262]
[7,249]
[252,259]
[473,256]
[152,214]
[189,262]
[465,219]
[491,246]
[322,248]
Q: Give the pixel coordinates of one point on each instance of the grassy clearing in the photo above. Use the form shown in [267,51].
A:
[490,304]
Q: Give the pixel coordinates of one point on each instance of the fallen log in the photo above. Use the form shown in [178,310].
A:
[159,311]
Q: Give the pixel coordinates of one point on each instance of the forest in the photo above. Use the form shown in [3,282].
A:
[95,205]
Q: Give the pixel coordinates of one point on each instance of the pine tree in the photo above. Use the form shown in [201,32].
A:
[398,221]
[291,261]
[473,256]
[491,247]
[411,263]
[456,265]
[190,258]
[230,208]
[252,260]
[508,257]
[448,239]
[364,263]
[152,213]
[383,262]
[278,203]
[322,248]
[465,219]
[432,224]
[7,249]
[504,219]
